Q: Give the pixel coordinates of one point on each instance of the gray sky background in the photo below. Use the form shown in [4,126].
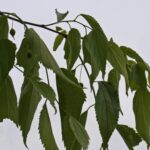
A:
[128,22]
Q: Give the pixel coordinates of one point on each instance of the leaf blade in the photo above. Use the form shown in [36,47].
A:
[141,110]
[130,137]
[4,28]
[79,132]
[45,130]
[8,101]
[107,110]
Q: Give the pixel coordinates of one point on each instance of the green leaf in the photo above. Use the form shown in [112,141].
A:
[141,103]
[45,90]
[4,28]
[61,16]
[32,50]
[7,57]
[92,22]
[107,110]
[79,132]
[118,60]
[137,77]
[114,78]
[8,101]
[58,40]
[28,103]
[71,99]
[97,46]
[130,137]
[45,131]
[132,54]
[72,49]
[82,120]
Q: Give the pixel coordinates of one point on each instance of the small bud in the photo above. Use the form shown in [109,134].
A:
[12,32]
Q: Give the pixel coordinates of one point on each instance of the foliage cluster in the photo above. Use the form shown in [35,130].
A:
[94,49]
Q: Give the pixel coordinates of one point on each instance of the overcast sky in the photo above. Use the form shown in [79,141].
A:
[128,22]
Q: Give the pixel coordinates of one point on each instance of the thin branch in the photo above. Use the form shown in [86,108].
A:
[32,24]
[87,72]
[68,21]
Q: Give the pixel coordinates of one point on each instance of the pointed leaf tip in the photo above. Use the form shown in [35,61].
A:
[45,130]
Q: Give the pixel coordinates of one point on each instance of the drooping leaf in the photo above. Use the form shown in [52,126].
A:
[71,99]
[8,101]
[114,78]
[107,110]
[72,49]
[118,60]
[132,54]
[61,16]
[45,90]
[130,137]
[86,54]
[141,103]
[137,77]
[92,22]
[4,28]
[7,57]
[82,120]
[58,40]
[32,50]
[28,103]
[79,132]
[45,131]
[97,46]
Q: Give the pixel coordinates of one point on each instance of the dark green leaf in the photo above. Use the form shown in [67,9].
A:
[45,131]
[58,41]
[45,90]
[72,49]
[83,118]
[131,53]
[8,101]
[79,132]
[97,46]
[137,77]
[61,16]
[130,137]
[107,110]
[32,50]
[4,28]
[28,102]
[86,54]
[118,60]
[114,78]
[92,22]
[7,57]
[71,99]
[141,103]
